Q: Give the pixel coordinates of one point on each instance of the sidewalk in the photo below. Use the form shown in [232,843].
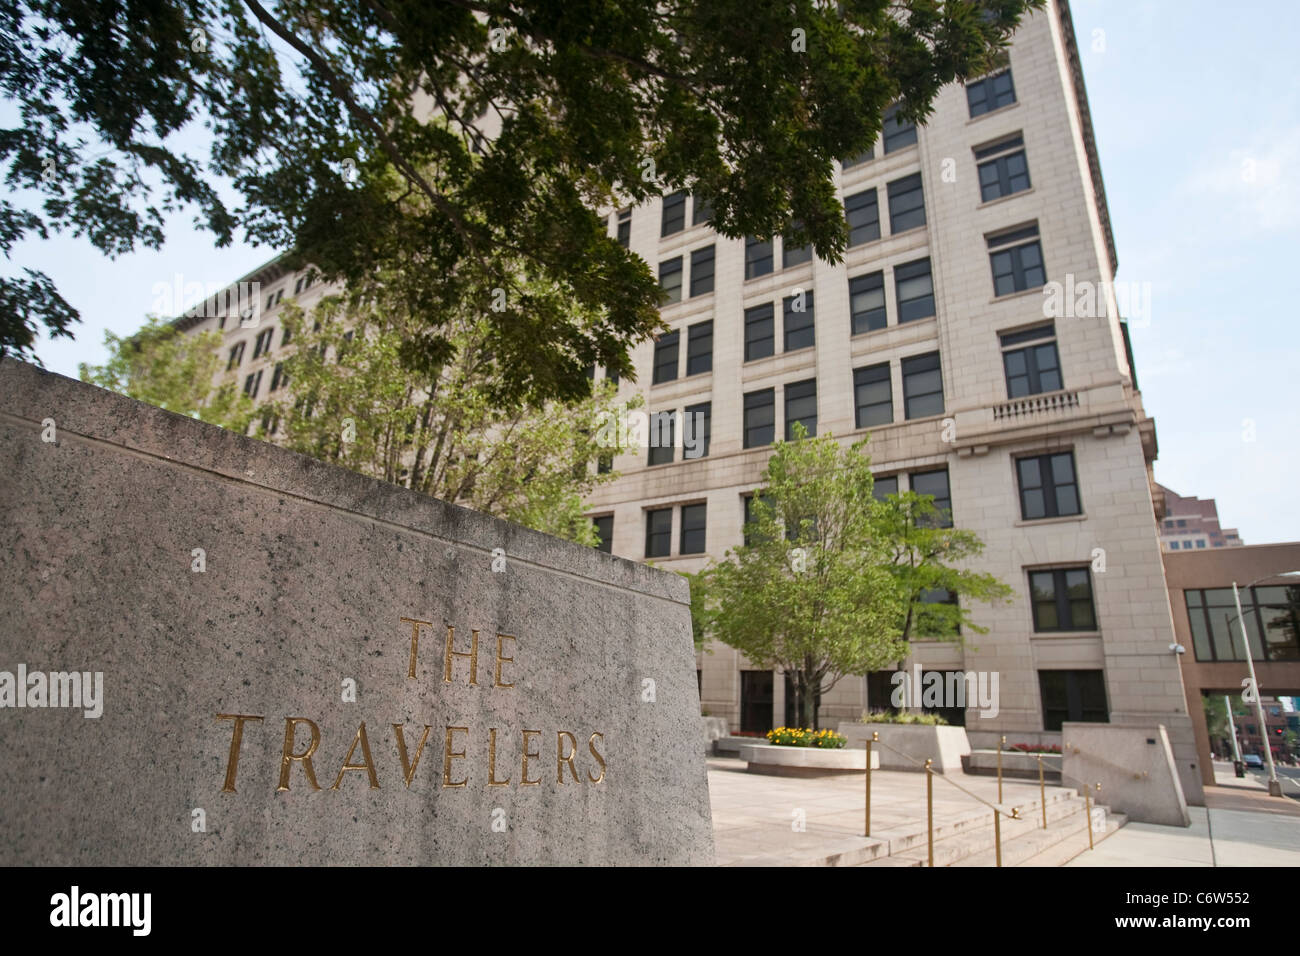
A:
[1240,825]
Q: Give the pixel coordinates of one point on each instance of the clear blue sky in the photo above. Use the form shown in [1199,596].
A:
[1196,108]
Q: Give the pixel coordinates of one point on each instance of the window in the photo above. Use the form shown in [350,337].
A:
[658,533]
[297,286]
[760,334]
[1048,486]
[703,211]
[922,386]
[1030,360]
[1002,168]
[934,484]
[758,257]
[701,271]
[885,486]
[251,384]
[236,356]
[1076,696]
[914,288]
[1182,523]
[665,369]
[284,339]
[797,323]
[1200,542]
[760,418]
[662,437]
[694,519]
[751,537]
[605,533]
[906,204]
[670,279]
[696,430]
[1017,261]
[873,396]
[674,213]
[1062,600]
[866,155]
[279,377]
[625,227]
[801,406]
[262,344]
[898,133]
[792,255]
[867,302]
[1173,545]
[699,348]
[863,213]
[990,93]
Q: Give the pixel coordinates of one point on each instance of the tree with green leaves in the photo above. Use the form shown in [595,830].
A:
[350,400]
[317,119]
[166,367]
[831,582]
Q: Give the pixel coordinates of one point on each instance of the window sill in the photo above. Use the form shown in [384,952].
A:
[1002,199]
[1062,519]
[1035,635]
[997,112]
[1036,290]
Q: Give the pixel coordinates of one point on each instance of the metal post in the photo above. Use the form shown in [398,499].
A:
[1232,727]
[929,811]
[875,735]
[1274,786]
[1087,803]
[1042,790]
[997,834]
[1001,743]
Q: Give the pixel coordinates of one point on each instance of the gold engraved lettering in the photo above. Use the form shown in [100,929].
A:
[415,640]
[290,725]
[528,753]
[368,766]
[492,760]
[561,760]
[448,754]
[472,655]
[236,738]
[408,766]
[591,745]
[503,660]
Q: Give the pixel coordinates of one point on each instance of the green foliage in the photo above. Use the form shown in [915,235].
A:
[902,717]
[352,401]
[167,368]
[318,117]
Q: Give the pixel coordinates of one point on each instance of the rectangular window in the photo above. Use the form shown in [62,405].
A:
[760,333]
[885,486]
[873,395]
[284,339]
[605,533]
[625,227]
[760,418]
[934,484]
[699,348]
[694,520]
[914,288]
[797,322]
[674,213]
[251,384]
[1048,486]
[297,286]
[666,347]
[866,155]
[906,204]
[1003,169]
[1076,696]
[898,132]
[751,538]
[922,386]
[801,406]
[279,377]
[703,211]
[658,533]
[236,356]
[670,279]
[1017,261]
[1062,600]
[662,437]
[262,344]
[758,257]
[1030,360]
[867,302]
[863,214]
[697,427]
[793,255]
[991,93]
[1272,616]
[702,271]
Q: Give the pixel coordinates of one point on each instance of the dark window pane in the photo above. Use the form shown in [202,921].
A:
[898,133]
[760,334]
[883,487]
[990,93]
[914,287]
[666,347]
[674,213]
[694,520]
[703,211]
[625,227]
[699,348]
[798,322]
[801,406]
[873,396]
[702,271]
[922,386]
[758,257]
[760,418]
[697,427]
[662,437]
[658,533]
[867,302]
[863,216]
[935,484]
[670,279]
[906,204]
[605,532]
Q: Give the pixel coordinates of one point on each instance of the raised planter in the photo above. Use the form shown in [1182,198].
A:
[1014,764]
[805,761]
[944,745]
[730,746]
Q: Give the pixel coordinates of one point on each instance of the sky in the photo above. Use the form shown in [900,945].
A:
[1196,109]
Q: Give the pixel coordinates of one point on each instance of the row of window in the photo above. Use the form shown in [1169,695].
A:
[253,382]
[261,346]
[1272,616]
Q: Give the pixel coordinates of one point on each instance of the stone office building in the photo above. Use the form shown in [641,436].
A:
[938,333]
[942,335]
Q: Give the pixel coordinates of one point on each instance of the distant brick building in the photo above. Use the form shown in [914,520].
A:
[1193,523]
